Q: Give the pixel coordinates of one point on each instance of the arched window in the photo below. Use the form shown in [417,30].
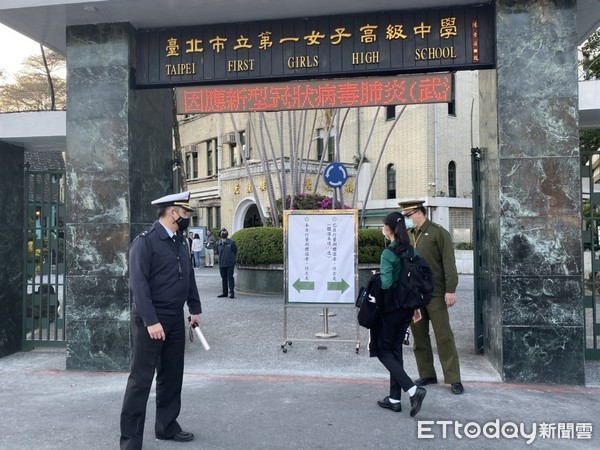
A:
[391,181]
[452,179]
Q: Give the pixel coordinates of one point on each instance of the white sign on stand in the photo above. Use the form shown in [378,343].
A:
[321,256]
[321,264]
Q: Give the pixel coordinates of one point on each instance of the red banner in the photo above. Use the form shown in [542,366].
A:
[348,93]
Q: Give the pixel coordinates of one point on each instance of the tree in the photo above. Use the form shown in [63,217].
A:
[591,57]
[589,139]
[38,86]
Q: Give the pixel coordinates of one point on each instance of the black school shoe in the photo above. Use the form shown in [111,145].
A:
[426,381]
[457,388]
[385,403]
[222,296]
[182,436]
[417,400]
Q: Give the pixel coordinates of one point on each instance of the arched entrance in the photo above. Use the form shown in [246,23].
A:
[246,215]
[252,218]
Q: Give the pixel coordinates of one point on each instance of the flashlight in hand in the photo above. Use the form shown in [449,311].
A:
[199,334]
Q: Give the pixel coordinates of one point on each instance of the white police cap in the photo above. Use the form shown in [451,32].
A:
[182,200]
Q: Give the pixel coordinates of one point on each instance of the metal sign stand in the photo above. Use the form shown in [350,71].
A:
[325,333]
[287,340]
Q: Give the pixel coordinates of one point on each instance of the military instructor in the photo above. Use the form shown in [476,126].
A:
[434,244]
[162,279]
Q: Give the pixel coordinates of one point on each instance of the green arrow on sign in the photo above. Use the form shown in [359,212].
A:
[337,285]
[304,285]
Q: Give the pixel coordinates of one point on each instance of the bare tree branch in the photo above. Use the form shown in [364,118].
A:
[362,216]
[363,153]
[245,161]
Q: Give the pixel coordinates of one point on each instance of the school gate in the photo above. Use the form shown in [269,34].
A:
[119,154]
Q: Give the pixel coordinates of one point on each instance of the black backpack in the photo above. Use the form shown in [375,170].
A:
[415,287]
[366,302]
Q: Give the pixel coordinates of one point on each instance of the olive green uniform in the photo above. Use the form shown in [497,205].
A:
[434,244]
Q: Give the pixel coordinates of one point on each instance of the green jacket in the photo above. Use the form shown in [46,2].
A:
[390,267]
[434,244]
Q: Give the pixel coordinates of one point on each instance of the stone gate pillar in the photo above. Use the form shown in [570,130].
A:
[534,330]
[118,160]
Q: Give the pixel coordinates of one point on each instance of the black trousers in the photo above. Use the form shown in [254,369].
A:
[227,278]
[150,355]
[393,330]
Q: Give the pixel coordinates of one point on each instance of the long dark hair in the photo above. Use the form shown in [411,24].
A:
[395,222]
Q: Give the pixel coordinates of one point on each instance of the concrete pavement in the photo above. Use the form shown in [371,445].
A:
[245,393]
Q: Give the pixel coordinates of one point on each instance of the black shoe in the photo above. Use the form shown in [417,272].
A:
[182,436]
[416,401]
[231,295]
[222,296]
[457,388]
[426,381]
[385,403]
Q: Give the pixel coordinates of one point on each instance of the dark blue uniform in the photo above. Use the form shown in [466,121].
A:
[161,280]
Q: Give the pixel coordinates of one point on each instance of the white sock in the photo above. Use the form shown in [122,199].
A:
[393,400]
[412,391]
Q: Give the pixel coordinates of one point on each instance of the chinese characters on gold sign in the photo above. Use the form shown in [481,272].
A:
[401,90]
[340,46]
[368,34]
[475,40]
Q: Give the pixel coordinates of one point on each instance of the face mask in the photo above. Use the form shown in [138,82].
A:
[409,224]
[182,223]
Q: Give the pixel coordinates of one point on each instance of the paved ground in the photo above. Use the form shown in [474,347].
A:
[245,393]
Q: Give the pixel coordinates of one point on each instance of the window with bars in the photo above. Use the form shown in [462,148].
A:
[452,179]
[390,112]
[330,147]
[391,181]
[452,108]
[209,157]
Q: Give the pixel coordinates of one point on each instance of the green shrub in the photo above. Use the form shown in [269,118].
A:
[370,245]
[260,245]
[264,245]
[463,246]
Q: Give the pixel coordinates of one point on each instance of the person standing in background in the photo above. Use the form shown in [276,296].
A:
[197,247]
[209,242]
[190,240]
[227,251]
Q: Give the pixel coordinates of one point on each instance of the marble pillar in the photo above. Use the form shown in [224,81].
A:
[12,204]
[118,160]
[532,268]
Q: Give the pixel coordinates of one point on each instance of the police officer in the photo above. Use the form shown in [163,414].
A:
[161,280]
[434,244]
[227,251]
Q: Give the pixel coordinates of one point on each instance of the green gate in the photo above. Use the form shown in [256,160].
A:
[590,176]
[44,304]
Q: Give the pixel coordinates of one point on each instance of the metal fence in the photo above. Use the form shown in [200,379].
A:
[44,305]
